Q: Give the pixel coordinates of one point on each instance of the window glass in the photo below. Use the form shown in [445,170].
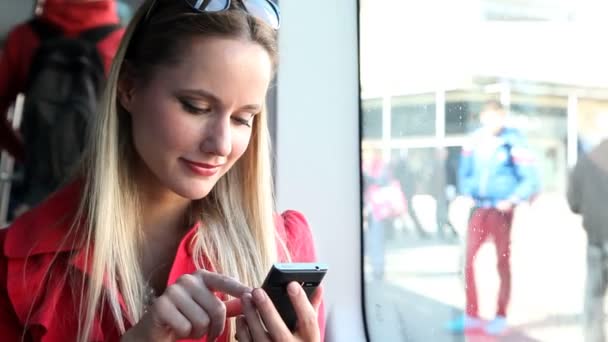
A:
[126,9]
[412,116]
[372,119]
[483,168]
[12,13]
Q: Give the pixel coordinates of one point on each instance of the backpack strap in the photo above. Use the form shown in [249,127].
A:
[44,30]
[97,34]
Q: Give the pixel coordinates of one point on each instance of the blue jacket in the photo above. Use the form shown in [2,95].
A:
[496,168]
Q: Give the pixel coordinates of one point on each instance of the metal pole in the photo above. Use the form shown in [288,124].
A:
[572,154]
[440,117]
[7,163]
[386,127]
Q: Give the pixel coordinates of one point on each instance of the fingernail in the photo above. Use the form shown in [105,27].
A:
[293,288]
[259,296]
[246,298]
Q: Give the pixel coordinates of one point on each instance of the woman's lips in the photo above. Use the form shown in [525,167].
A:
[202,169]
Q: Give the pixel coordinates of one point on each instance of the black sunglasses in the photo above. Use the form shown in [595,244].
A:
[266,10]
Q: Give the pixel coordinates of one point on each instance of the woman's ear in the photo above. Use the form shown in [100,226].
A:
[126,87]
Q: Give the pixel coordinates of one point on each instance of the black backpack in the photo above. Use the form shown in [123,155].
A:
[65,82]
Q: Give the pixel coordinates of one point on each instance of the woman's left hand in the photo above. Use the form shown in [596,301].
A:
[258,308]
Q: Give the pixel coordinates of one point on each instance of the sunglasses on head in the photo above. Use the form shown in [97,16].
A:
[266,10]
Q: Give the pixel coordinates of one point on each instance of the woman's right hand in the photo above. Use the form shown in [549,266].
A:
[189,309]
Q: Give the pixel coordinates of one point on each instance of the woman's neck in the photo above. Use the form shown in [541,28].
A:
[164,223]
[164,213]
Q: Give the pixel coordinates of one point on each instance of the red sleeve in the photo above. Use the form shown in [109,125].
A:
[300,244]
[14,64]
[10,327]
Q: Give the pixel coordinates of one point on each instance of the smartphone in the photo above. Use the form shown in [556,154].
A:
[308,275]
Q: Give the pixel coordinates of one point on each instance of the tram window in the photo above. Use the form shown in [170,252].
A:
[483,124]
[14,12]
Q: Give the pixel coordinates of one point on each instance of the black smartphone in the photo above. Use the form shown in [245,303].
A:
[308,275]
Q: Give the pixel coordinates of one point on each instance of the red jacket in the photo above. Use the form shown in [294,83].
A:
[73,17]
[42,304]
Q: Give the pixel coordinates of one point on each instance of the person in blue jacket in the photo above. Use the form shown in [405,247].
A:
[497,173]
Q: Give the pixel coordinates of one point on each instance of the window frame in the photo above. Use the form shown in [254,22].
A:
[318,167]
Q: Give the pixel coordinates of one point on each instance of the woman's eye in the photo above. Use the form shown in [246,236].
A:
[243,121]
[190,108]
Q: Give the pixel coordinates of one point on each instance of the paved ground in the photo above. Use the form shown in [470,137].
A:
[423,287]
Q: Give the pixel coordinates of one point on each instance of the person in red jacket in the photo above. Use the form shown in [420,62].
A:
[73,17]
[170,228]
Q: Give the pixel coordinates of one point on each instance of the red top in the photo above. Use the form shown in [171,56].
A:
[72,17]
[43,304]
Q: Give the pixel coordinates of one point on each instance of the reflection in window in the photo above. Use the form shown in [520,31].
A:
[372,120]
[422,99]
[412,116]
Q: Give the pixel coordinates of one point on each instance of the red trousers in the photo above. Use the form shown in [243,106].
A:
[489,223]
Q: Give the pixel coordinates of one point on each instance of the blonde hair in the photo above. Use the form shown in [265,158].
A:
[238,238]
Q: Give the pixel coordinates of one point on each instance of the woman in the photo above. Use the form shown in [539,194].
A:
[171,222]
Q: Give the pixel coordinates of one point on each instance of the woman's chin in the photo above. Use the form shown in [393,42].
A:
[193,191]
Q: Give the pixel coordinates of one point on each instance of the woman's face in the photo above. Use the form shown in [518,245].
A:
[192,121]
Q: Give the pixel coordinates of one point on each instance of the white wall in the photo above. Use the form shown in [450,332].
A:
[318,145]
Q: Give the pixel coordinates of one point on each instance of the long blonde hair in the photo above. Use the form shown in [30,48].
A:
[237,235]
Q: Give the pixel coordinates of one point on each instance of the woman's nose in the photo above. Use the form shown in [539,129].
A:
[217,138]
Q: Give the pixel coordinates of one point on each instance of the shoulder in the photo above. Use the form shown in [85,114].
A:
[111,42]
[513,136]
[10,324]
[21,31]
[109,46]
[581,165]
[474,138]
[297,236]
[33,265]
[45,228]
[20,39]
[519,149]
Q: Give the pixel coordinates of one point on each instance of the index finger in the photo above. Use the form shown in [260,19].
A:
[234,307]
[220,283]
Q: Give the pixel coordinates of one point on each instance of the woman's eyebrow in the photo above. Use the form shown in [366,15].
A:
[201,93]
[212,97]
